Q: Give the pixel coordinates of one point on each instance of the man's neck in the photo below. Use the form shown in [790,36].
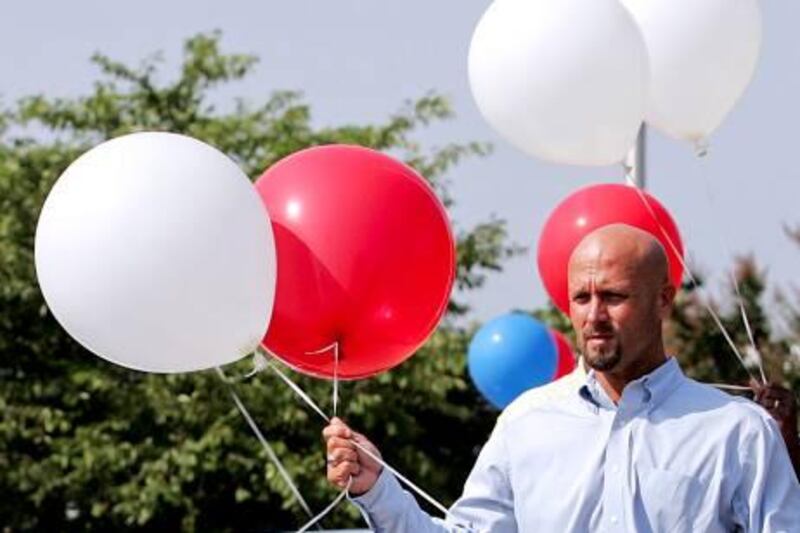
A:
[614,381]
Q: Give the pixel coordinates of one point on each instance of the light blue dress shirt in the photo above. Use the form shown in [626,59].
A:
[674,455]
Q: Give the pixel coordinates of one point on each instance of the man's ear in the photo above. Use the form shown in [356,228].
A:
[665,300]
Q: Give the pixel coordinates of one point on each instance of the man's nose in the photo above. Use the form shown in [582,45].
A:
[597,310]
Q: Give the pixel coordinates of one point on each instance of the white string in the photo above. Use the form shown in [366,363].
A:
[335,403]
[300,392]
[327,510]
[750,337]
[403,478]
[724,386]
[308,400]
[364,515]
[739,299]
[270,452]
[259,365]
[694,281]
[344,493]
[335,377]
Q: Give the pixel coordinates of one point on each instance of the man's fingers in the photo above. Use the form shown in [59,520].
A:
[774,397]
[341,473]
[362,440]
[778,394]
[335,443]
[337,429]
[340,455]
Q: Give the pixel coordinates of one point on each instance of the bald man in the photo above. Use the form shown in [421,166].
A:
[637,447]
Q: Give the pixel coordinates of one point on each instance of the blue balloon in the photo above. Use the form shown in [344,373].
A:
[509,355]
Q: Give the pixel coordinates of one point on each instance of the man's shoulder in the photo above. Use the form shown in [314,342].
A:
[554,396]
[724,408]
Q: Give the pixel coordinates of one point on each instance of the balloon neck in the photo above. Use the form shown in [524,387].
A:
[260,361]
[701,147]
[250,348]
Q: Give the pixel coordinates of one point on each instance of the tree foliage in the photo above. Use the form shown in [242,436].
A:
[702,348]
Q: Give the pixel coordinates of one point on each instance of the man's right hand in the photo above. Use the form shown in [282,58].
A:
[346,460]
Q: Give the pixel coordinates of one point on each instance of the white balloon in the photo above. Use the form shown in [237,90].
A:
[703,54]
[154,251]
[562,80]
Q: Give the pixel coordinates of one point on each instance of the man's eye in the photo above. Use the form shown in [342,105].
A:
[615,297]
[580,298]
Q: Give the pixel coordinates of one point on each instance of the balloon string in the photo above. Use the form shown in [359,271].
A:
[430,499]
[751,338]
[270,452]
[346,492]
[328,509]
[297,390]
[335,348]
[691,276]
[724,386]
[335,377]
[310,402]
[734,280]
[259,365]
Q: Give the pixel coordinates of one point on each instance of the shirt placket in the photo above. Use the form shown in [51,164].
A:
[614,474]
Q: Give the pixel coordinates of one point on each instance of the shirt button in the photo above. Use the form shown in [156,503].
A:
[614,519]
[615,469]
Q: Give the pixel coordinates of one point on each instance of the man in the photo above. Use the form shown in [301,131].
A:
[639,447]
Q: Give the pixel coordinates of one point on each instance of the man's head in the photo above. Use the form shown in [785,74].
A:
[620,292]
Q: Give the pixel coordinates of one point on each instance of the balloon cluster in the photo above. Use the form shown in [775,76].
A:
[570,81]
[155,251]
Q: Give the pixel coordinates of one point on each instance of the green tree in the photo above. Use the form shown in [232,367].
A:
[704,353]
[88,446]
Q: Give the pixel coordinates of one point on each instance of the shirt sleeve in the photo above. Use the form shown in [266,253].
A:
[768,499]
[486,504]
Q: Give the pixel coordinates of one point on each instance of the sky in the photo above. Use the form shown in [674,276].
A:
[358,61]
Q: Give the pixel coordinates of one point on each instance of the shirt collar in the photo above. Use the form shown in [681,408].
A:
[649,390]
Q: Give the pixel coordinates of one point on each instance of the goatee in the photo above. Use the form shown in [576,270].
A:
[603,362]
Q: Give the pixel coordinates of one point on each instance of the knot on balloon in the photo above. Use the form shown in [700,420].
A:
[260,362]
[333,347]
[701,147]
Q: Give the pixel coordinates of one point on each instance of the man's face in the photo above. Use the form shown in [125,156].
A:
[616,306]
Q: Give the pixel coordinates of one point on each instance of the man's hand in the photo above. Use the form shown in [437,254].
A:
[781,404]
[346,460]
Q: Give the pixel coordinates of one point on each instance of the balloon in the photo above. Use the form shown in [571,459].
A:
[154,252]
[509,355]
[702,57]
[366,260]
[565,80]
[593,207]
[566,357]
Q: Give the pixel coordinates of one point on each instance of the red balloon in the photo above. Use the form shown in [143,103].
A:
[593,207]
[566,357]
[366,260]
